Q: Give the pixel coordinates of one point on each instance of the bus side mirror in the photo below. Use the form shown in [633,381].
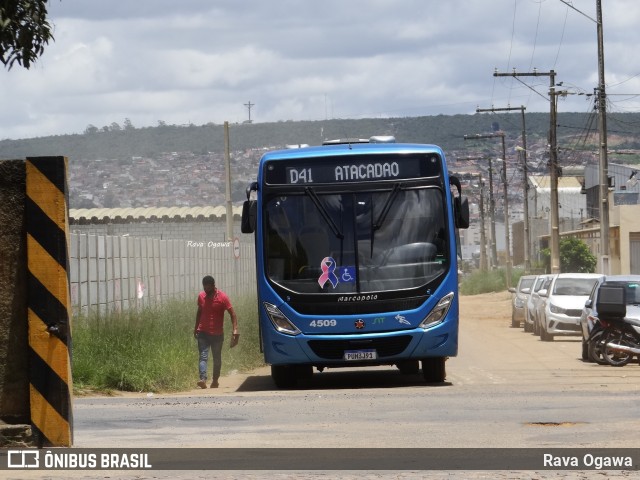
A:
[248,222]
[460,205]
[252,187]
[461,211]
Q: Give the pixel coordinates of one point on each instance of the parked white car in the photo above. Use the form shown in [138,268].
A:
[519,299]
[535,304]
[565,300]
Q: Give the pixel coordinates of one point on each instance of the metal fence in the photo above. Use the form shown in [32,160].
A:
[112,274]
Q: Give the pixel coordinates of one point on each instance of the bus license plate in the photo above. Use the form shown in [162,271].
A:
[355,355]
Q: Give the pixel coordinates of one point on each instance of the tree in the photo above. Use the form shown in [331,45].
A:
[575,257]
[24,31]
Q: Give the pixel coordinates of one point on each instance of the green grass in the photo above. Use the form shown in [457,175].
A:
[153,349]
[480,281]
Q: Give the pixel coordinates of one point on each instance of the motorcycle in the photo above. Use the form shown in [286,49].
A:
[615,339]
[595,342]
[613,345]
[621,340]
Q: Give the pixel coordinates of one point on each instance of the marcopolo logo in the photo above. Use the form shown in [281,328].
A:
[357,298]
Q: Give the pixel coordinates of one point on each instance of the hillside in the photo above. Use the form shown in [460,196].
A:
[171,165]
[448,131]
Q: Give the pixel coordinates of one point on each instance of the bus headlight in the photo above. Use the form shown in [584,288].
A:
[280,322]
[439,312]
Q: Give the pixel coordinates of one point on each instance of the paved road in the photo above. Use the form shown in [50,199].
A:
[506,389]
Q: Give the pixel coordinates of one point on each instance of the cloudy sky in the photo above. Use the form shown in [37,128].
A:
[200,61]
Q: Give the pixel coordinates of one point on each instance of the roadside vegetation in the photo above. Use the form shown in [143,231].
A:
[575,257]
[478,281]
[153,349]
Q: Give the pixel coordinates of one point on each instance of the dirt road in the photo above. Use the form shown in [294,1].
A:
[505,389]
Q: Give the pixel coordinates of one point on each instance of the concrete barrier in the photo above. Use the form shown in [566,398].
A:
[35,356]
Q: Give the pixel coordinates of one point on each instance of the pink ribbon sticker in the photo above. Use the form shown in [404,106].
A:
[328,266]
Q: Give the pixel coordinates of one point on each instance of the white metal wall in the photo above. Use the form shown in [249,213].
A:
[111,273]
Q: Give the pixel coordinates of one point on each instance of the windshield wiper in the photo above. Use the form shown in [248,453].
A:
[323,212]
[383,214]
[387,206]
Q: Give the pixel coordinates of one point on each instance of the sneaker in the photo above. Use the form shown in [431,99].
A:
[202,384]
[214,384]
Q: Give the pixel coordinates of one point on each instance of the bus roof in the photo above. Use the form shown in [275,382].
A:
[351,149]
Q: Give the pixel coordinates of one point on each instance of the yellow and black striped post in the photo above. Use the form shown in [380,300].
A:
[48,301]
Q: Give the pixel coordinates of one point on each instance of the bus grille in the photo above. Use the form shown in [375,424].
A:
[334,349]
[356,308]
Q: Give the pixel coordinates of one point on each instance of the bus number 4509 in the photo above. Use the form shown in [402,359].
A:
[323,323]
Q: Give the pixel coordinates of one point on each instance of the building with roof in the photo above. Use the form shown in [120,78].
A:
[571,202]
[164,223]
[572,210]
[624,182]
[624,216]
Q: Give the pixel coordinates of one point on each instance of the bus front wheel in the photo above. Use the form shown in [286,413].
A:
[433,369]
[408,367]
[284,376]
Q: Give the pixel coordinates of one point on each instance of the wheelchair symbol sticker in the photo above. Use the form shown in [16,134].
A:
[348,274]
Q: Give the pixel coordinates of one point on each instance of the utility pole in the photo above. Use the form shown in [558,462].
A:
[492,211]
[602,128]
[553,161]
[506,201]
[227,164]
[525,176]
[249,105]
[604,167]
[506,213]
[483,238]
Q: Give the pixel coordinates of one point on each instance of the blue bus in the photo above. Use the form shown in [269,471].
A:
[356,257]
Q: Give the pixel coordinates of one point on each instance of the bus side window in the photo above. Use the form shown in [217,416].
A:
[279,245]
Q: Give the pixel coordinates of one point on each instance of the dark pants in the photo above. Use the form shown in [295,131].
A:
[213,342]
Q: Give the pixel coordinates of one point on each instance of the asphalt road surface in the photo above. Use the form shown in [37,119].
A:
[505,389]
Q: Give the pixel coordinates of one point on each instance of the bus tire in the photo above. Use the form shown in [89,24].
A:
[304,372]
[284,376]
[433,369]
[408,367]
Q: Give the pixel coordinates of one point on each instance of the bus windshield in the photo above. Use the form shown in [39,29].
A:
[356,242]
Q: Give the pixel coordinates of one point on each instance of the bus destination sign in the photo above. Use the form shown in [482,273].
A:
[340,169]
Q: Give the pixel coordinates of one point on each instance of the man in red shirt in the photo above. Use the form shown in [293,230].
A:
[212,303]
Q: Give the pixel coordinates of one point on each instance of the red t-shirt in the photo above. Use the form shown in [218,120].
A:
[212,312]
